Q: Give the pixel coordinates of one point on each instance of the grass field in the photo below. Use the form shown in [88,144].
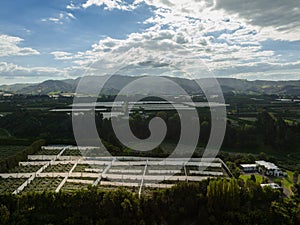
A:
[258,177]
[286,182]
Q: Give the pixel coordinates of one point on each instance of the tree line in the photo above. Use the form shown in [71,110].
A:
[211,202]
[57,128]
[11,161]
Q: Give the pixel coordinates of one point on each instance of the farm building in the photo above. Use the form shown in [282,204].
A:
[268,168]
[263,167]
[271,185]
[248,167]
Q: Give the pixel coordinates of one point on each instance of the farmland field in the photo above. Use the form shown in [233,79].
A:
[25,169]
[288,181]
[43,184]
[72,152]
[48,152]
[59,168]
[248,176]
[10,184]
[88,168]
[68,186]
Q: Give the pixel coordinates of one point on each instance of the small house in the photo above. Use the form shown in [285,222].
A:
[268,168]
[272,185]
[248,168]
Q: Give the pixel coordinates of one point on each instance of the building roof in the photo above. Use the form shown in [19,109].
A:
[248,165]
[267,165]
[272,185]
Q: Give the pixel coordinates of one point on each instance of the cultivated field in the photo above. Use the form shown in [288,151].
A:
[56,168]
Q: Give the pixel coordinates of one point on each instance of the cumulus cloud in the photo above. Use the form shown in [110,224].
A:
[224,37]
[11,70]
[269,75]
[263,71]
[110,4]
[11,73]
[60,55]
[9,46]
[160,47]
[282,15]
[189,38]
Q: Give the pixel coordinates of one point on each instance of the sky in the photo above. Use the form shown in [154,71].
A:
[62,39]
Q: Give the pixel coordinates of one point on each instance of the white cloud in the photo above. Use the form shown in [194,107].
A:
[72,6]
[235,51]
[12,70]
[11,73]
[70,15]
[110,4]
[282,15]
[60,55]
[269,75]
[213,35]
[263,71]
[185,38]
[60,18]
[9,46]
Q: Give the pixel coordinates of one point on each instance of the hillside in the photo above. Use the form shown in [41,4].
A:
[13,87]
[117,82]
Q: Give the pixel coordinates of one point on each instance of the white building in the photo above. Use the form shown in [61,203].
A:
[248,167]
[271,185]
[268,168]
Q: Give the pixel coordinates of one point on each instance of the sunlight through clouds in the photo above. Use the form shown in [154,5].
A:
[229,36]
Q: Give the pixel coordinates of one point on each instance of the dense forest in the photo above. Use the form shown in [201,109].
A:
[215,201]
[57,128]
[9,162]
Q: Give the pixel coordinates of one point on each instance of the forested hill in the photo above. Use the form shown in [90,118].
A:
[117,82]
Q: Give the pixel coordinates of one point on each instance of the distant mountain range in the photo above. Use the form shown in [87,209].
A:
[117,82]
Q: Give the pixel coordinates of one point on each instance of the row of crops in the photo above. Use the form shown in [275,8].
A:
[128,174]
[58,168]
[88,168]
[72,152]
[69,152]
[40,184]
[48,152]
[10,184]
[25,169]
[69,186]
